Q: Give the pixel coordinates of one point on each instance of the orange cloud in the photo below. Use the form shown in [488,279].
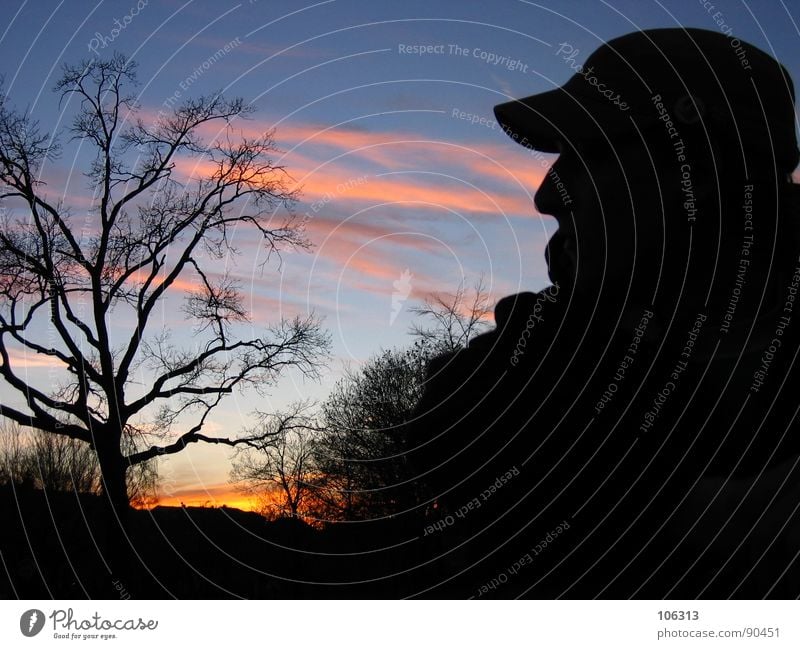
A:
[412,189]
[327,182]
[179,283]
[396,151]
[328,161]
[525,175]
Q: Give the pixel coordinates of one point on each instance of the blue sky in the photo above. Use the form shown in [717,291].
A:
[405,176]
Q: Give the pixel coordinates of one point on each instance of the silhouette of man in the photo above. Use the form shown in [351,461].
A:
[630,431]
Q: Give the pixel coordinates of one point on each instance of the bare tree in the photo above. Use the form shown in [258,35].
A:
[363,448]
[148,229]
[36,459]
[277,464]
[31,458]
[452,320]
[362,454]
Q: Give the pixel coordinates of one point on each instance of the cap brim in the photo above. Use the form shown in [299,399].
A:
[545,121]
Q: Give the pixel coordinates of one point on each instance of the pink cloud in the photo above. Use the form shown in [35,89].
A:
[25,359]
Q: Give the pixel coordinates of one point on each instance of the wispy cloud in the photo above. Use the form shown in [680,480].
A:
[22,359]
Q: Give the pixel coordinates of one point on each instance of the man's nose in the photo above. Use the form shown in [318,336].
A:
[548,198]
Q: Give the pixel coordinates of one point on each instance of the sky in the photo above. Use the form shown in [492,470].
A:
[409,187]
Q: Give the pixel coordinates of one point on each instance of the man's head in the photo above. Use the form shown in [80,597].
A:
[660,133]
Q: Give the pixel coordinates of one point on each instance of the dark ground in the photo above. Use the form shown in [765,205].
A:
[52,547]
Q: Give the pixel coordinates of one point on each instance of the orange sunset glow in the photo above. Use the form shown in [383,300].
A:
[216,497]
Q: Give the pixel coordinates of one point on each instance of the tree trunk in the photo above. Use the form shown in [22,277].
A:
[113,473]
[117,547]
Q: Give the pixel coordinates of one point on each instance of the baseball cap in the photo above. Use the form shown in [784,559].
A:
[684,78]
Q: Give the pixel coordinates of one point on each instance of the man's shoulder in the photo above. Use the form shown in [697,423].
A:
[521,321]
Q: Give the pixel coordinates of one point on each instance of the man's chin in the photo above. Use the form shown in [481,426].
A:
[583,286]
[564,278]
